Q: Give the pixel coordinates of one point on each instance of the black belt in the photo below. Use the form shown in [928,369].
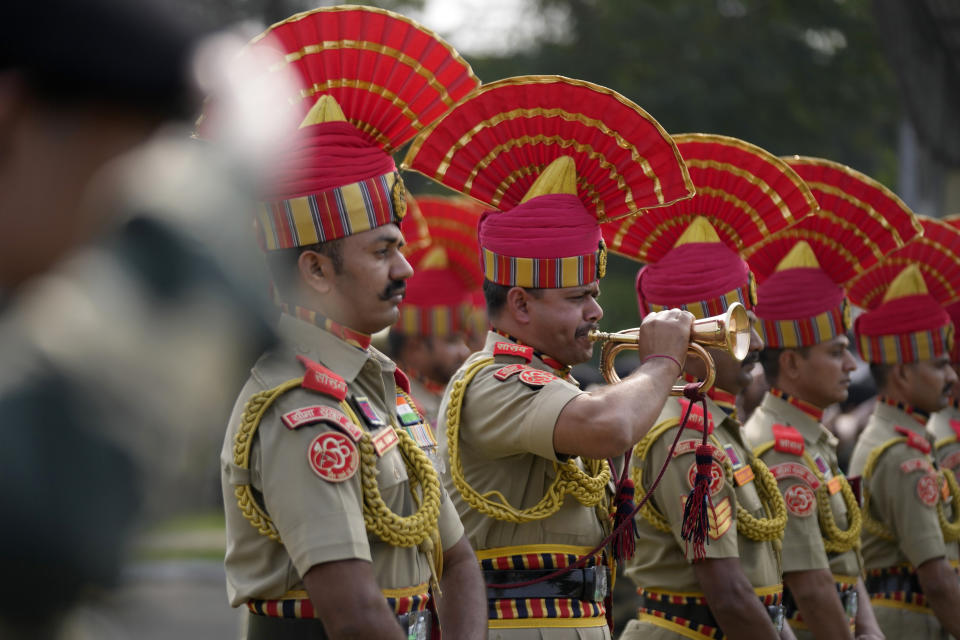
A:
[591,584]
[700,614]
[848,599]
[887,583]
[415,624]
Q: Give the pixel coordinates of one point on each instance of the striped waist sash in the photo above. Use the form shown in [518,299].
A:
[689,611]
[296,604]
[898,587]
[533,612]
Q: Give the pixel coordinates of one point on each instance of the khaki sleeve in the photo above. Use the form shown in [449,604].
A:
[671,493]
[803,548]
[504,418]
[318,520]
[897,497]
[451,529]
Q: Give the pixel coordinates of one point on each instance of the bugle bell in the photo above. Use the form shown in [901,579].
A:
[729,331]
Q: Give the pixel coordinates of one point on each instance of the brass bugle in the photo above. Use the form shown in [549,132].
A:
[729,331]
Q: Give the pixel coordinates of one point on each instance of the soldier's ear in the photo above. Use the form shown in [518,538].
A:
[789,363]
[316,271]
[517,304]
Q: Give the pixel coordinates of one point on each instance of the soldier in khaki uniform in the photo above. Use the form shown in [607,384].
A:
[944,425]
[525,448]
[910,513]
[337,525]
[735,589]
[804,316]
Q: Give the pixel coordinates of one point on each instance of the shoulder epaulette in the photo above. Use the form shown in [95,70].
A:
[696,420]
[914,440]
[787,439]
[513,349]
[401,379]
[322,380]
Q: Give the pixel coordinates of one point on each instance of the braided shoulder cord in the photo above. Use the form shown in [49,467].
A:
[757,529]
[835,539]
[950,528]
[589,488]
[398,531]
[942,442]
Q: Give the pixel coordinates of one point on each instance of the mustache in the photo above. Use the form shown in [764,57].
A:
[584,329]
[752,357]
[393,288]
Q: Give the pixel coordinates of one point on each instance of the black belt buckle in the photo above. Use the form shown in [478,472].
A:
[775,611]
[595,583]
[416,624]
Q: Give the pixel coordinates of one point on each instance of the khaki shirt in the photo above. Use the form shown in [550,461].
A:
[318,520]
[506,445]
[663,560]
[803,548]
[944,427]
[896,486]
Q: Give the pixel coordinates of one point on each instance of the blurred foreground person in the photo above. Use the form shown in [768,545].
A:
[911,520]
[119,332]
[524,447]
[731,587]
[804,316]
[337,525]
[68,106]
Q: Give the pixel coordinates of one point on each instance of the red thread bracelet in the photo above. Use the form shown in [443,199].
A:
[663,355]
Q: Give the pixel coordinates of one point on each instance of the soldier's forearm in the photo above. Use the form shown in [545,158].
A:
[463,605]
[867,624]
[732,600]
[942,590]
[816,596]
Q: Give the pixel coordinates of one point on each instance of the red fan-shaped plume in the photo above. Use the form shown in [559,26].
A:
[936,252]
[746,193]
[859,222]
[451,223]
[391,76]
[493,146]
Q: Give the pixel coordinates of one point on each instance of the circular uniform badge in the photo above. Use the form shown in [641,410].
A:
[800,500]
[333,457]
[928,489]
[717,478]
[536,378]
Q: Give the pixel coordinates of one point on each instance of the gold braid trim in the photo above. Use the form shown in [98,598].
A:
[397,531]
[950,529]
[758,529]
[589,488]
[835,539]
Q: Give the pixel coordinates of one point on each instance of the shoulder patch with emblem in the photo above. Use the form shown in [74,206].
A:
[787,440]
[928,489]
[695,421]
[795,470]
[800,500]
[318,413]
[333,456]
[536,378]
[513,349]
[914,440]
[503,373]
[322,380]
